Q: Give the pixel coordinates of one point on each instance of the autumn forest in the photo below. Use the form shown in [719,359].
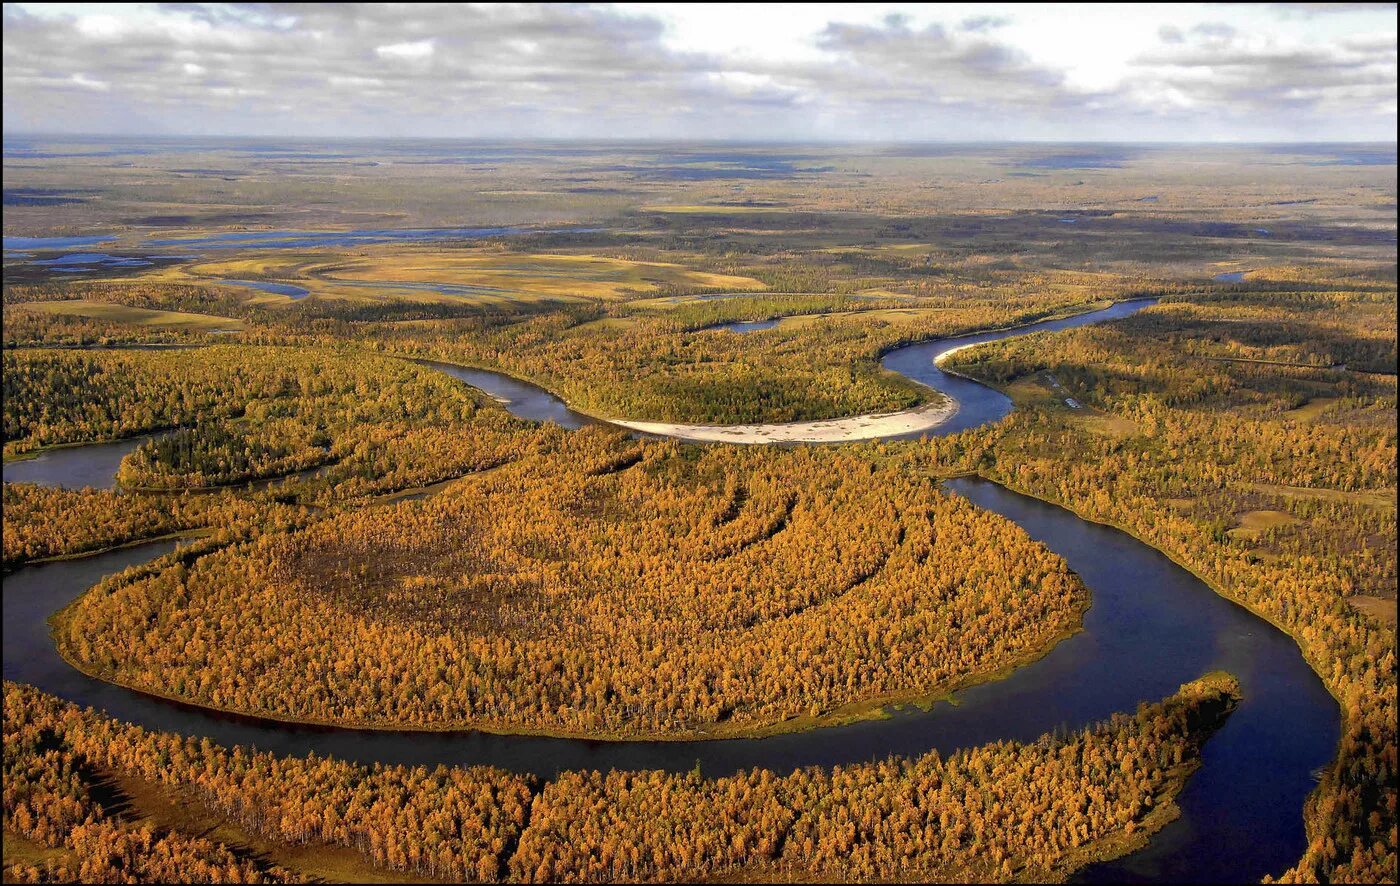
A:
[675,513]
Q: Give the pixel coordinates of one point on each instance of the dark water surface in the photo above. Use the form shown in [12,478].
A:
[520,398]
[55,242]
[746,325]
[93,261]
[1152,626]
[73,467]
[978,404]
[287,289]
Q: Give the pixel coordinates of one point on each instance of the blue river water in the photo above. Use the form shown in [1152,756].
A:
[287,289]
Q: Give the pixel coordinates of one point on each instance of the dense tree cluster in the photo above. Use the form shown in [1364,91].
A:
[30,328]
[603,586]
[156,295]
[47,521]
[381,459]
[50,798]
[446,823]
[251,412]
[219,453]
[999,812]
[1219,441]
[1003,811]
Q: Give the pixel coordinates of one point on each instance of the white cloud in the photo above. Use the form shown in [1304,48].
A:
[880,71]
[83,81]
[351,82]
[418,49]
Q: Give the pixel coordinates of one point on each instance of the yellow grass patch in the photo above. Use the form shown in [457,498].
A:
[884,293]
[605,324]
[1379,608]
[279,265]
[893,316]
[556,276]
[1310,410]
[1106,424]
[1255,523]
[716,210]
[131,316]
[1380,499]
[886,249]
[460,275]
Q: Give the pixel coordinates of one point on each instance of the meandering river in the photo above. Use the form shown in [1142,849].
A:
[1152,626]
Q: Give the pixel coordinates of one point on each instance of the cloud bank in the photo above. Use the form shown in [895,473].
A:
[1286,72]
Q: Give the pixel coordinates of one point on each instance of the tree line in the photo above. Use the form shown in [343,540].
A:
[1002,811]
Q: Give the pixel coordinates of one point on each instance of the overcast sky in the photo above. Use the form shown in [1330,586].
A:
[1286,72]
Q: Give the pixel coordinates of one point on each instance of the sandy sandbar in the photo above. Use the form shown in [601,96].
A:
[878,425]
[834,430]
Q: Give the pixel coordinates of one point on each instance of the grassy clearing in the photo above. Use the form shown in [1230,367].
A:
[22,851]
[1311,410]
[1379,608]
[133,316]
[1381,499]
[167,809]
[1037,392]
[699,209]
[894,316]
[460,275]
[1255,523]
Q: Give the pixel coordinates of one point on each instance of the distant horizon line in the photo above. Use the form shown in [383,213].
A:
[675,140]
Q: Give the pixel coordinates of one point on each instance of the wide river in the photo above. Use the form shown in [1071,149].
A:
[1152,626]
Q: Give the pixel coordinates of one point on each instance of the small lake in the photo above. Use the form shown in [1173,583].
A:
[745,326]
[56,242]
[459,290]
[92,261]
[287,289]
